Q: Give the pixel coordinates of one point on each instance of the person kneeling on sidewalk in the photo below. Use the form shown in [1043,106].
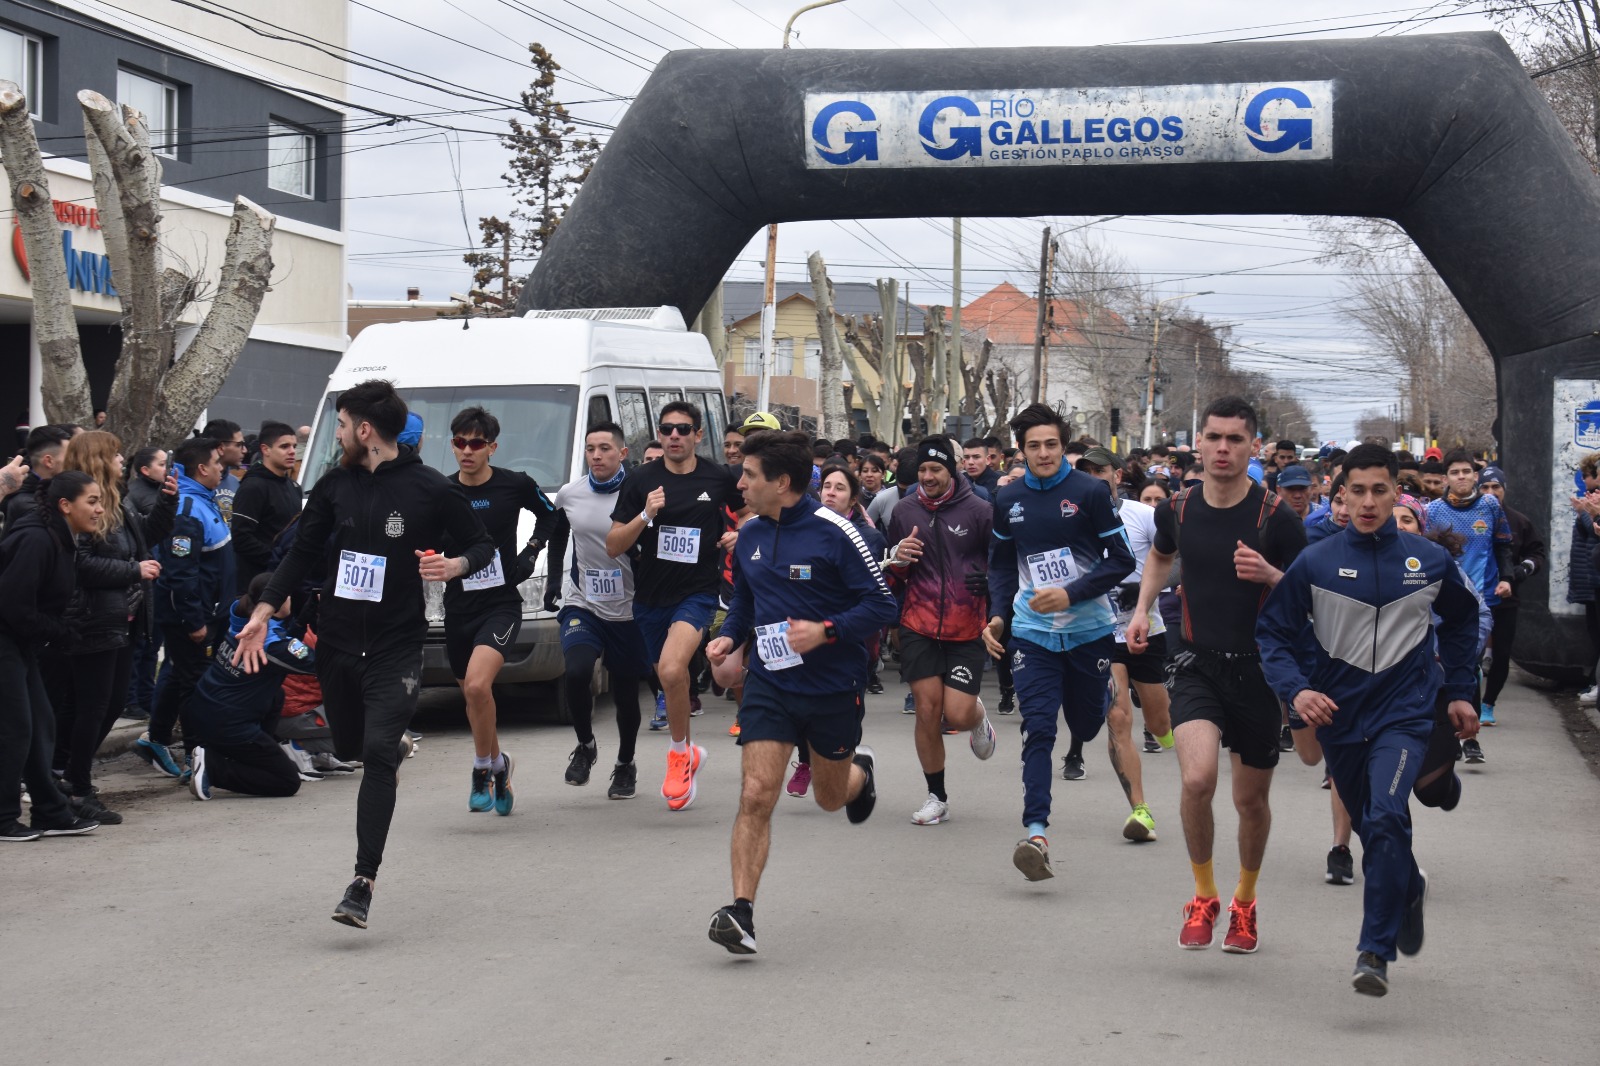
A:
[234,713]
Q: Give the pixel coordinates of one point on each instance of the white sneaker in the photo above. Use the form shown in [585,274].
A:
[301,759]
[328,763]
[982,738]
[1590,695]
[932,812]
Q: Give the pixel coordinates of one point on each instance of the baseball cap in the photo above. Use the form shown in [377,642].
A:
[1294,475]
[1492,475]
[760,420]
[1100,455]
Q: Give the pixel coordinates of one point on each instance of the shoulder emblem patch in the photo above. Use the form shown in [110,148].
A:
[181,546]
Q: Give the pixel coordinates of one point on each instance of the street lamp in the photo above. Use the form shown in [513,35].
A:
[1150,386]
[769,301]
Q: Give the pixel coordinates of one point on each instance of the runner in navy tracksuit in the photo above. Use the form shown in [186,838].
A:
[1372,593]
[807,584]
[1059,548]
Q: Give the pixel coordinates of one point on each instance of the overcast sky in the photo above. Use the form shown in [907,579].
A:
[416,192]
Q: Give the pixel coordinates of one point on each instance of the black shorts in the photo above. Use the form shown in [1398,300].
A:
[1149,667]
[959,663]
[830,724]
[1232,694]
[495,628]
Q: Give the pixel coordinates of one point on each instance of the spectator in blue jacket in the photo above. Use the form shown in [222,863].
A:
[196,574]
[1373,593]
[233,713]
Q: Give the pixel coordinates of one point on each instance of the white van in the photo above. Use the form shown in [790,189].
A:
[546,377]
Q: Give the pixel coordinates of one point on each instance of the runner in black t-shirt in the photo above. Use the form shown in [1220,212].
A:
[1236,540]
[483,611]
[672,511]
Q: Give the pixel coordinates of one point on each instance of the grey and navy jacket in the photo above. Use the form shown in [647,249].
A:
[1069,510]
[1375,600]
[196,559]
[810,564]
[230,706]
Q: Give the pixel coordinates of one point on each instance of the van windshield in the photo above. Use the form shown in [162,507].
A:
[536,427]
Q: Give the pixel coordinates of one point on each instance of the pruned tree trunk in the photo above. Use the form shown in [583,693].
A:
[64,384]
[973,374]
[934,378]
[859,352]
[133,173]
[185,389]
[835,419]
[892,397]
[708,323]
[999,386]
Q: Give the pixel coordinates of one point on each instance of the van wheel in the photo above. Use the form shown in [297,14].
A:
[543,700]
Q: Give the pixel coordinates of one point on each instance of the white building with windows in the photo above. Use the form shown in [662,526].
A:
[230,113]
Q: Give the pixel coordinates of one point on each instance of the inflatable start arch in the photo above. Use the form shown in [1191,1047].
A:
[1444,135]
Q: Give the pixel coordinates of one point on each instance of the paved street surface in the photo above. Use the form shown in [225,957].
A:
[574,931]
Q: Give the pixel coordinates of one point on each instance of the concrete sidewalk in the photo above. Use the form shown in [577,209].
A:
[574,931]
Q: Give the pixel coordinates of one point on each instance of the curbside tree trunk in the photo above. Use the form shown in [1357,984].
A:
[64,382]
[835,419]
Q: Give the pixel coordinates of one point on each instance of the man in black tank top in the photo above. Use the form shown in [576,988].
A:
[1236,539]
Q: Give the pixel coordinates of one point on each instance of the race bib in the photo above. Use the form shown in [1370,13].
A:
[679,544]
[490,577]
[772,644]
[360,577]
[602,586]
[1053,569]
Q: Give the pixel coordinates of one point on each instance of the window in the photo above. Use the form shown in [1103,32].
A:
[634,415]
[813,359]
[752,357]
[19,62]
[599,408]
[158,101]
[716,422]
[783,357]
[291,160]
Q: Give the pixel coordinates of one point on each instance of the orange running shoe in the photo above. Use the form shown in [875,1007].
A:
[733,730]
[678,788]
[1199,923]
[1241,938]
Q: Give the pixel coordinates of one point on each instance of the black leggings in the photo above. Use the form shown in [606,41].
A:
[258,767]
[1505,634]
[88,693]
[27,737]
[368,702]
[579,679]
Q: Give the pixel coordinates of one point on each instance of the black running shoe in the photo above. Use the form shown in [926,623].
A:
[1286,739]
[581,762]
[1409,940]
[352,910]
[859,809]
[1372,975]
[1341,866]
[623,781]
[1008,701]
[1472,750]
[90,807]
[1072,768]
[733,928]
[875,686]
[1151,744]
[17,833]
[74,828]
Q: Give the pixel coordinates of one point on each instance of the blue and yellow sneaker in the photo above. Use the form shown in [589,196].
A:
[502,787]
[482,797]
[1486,716]
[157,755]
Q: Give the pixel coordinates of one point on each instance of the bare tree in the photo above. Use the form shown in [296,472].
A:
[835,420]
[1558,43]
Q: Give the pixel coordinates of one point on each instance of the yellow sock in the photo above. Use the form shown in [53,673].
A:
[1165,739]
[1246,892]
[1205,883]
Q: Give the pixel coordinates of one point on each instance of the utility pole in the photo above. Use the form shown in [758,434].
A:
[959,378]
[1155,343]
[1194,405]
[1039,326]
[769,307]
[505,268]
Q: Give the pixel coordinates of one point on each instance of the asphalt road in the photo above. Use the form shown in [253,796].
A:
[574,930]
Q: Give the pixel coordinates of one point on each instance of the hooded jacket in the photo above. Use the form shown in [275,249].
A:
[391,513]
[1372,599]
[262,507]
[111,593]
[810,564]
[37,560]
[196,559]
[955,531]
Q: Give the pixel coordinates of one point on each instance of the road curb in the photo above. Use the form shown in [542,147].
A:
[120,740]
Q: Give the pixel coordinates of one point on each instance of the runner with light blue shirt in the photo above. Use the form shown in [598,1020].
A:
[1058,549]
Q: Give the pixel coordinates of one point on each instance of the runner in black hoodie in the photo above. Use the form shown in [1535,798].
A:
[378,511]
[37,574]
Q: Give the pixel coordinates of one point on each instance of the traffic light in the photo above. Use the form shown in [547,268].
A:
[1116,421]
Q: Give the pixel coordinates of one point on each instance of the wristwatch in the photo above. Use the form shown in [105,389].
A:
[830,632]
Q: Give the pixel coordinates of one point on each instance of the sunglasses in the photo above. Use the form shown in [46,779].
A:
[682,429]
[464,444]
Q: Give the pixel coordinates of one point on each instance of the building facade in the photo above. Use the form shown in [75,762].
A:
[231,113]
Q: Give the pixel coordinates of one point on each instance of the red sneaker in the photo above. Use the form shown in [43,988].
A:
[1199,923]
[1241,938]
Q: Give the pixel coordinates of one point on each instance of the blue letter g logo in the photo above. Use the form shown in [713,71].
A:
[1292,132]
[964,140]
[858,144]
